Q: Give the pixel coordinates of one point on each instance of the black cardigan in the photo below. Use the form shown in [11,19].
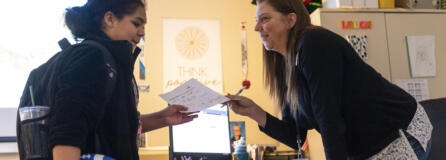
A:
[79,109]
[356,111]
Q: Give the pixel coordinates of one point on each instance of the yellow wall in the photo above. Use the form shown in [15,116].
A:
[230,13]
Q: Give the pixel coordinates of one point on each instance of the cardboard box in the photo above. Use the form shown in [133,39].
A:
[337,3]
[386,3]
[371,4]
[358,3]
[365,4]
[418,4]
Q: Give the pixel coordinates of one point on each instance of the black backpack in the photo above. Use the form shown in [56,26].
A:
[43,81]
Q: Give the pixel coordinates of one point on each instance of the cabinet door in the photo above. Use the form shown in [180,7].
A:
[401,24]
[378,56]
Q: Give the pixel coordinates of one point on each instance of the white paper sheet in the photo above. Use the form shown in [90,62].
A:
[421,52]
[418,88]
[194,95]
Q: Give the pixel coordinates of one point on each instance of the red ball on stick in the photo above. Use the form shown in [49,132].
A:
[246,83]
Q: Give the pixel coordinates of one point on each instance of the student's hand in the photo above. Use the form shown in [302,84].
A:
[172,115]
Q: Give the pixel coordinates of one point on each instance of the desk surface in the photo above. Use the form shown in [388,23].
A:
[159,153]
[8,147]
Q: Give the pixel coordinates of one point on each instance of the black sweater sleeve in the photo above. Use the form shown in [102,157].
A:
[321,62]
[79,101]
[283,130]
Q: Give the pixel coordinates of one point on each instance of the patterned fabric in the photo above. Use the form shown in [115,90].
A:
[359,43]
[420,127]
[400,149]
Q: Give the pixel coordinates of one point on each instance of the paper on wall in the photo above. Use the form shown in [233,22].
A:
[418,88]
[421,53]
[194,95]
[359,43]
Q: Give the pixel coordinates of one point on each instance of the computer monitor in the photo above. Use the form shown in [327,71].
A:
[205,137]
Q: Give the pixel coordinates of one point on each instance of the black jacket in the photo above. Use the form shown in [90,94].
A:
[80,115]
[356,111]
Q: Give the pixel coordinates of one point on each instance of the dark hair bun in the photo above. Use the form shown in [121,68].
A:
[78,21]
[87,19]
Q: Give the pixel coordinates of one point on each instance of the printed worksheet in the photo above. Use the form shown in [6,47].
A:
[194,95]
[418,88]
[421,53]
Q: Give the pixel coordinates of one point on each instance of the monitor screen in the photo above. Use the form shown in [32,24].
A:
[205,136]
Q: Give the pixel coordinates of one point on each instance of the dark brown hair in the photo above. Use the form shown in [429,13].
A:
[279,71]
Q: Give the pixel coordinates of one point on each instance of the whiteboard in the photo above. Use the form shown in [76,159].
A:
[8,122]
[27,40]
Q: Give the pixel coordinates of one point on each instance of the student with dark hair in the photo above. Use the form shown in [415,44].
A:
[321,83]
[83,120]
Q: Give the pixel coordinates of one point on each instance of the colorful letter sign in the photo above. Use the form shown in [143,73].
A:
[356,24]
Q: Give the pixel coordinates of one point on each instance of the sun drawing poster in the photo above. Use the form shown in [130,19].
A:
[191,49]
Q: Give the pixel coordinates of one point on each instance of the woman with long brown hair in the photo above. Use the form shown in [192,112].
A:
[321,83]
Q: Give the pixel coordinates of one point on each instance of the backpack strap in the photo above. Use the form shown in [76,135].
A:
[64,43]
[111,65]
[110,86]
[109,62]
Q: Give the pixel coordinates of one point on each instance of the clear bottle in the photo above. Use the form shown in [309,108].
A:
[240,150]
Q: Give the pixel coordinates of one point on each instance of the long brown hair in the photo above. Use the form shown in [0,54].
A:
[279,71]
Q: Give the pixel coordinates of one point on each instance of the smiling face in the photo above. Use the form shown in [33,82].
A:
[273,27]
[130,27]
[236,130]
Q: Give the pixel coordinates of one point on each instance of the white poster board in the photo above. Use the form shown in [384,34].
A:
[191,49]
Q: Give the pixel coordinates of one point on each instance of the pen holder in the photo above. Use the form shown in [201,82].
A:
[240,150]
